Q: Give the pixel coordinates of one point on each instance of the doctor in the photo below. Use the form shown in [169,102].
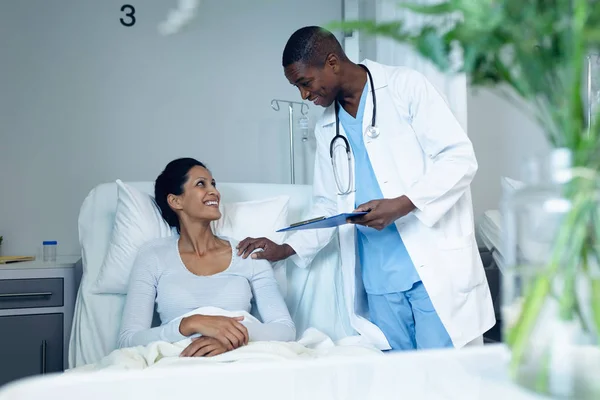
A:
[387,143]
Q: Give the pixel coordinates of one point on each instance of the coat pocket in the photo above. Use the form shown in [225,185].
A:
[460,260]
[456,242]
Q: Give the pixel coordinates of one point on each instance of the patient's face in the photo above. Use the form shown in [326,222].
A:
[200,198]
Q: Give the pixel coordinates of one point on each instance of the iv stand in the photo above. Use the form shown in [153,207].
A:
[303,111]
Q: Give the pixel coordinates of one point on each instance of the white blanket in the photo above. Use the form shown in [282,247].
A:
[312,344]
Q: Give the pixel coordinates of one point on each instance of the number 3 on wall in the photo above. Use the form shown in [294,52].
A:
[130,13]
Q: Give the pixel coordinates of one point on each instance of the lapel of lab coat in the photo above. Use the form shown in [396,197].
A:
[380,82]
[380,153]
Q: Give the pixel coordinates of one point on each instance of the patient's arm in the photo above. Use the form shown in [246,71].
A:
[228,330]
[204,346]
[277,324]
[139,306]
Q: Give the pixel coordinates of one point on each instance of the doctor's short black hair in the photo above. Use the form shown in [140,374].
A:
[311,45]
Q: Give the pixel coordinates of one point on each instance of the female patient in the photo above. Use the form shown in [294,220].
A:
[196,269]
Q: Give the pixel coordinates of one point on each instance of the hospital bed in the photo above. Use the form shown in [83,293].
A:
[490,233]
[489,228]
[314,302]
[310,297]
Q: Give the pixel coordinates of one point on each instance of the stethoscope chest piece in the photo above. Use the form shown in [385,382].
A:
[372,131]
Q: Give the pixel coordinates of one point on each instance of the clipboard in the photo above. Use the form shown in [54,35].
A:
[15,259]
[322,222]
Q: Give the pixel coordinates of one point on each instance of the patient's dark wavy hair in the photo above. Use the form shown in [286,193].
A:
[171,181]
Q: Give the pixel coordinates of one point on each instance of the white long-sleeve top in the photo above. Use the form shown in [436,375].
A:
[159,275]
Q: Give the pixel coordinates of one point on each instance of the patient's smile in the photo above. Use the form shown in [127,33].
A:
[211,203]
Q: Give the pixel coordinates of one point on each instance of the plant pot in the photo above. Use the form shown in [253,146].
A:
[551,288]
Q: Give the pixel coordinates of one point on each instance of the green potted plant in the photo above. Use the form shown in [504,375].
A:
[535,53]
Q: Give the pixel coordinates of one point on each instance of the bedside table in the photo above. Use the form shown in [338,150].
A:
[37,300]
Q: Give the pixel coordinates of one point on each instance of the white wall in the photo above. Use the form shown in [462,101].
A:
[503,138]
[84,100]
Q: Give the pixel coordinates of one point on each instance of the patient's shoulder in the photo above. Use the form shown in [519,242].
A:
[157,248]
[245,266]
[251,267]
[159,244]
[155,254]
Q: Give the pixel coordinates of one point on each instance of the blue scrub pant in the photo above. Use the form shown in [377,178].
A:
[408,319]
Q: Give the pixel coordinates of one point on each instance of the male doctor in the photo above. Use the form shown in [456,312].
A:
[401,155]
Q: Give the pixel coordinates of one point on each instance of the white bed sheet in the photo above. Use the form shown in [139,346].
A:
[475,373]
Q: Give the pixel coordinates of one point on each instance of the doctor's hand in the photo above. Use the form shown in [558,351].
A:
[382,213]
[204,346]
[271,251]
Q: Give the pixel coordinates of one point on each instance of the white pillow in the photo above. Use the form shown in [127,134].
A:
[258,218]
[137,221]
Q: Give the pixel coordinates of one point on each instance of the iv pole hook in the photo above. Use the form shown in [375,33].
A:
[303,110]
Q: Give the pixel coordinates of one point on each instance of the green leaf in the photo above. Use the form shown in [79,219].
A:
[432,46]
[391,30]
[430,9]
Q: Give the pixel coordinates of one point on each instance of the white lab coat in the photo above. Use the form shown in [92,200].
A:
[422,152]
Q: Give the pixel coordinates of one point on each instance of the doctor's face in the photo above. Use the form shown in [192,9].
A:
[319,85]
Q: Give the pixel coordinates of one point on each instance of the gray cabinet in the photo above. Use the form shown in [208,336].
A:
[30,345]
[36,313]
[31,293]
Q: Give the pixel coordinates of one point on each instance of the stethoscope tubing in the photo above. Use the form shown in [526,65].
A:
[346,143]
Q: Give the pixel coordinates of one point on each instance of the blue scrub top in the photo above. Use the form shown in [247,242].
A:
[386,265]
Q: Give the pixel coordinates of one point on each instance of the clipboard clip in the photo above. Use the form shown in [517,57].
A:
[308,221]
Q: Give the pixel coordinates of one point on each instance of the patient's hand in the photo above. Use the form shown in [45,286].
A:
[271,251]
[204,346]
[227,330]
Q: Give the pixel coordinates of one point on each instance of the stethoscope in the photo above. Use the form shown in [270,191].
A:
[372,132]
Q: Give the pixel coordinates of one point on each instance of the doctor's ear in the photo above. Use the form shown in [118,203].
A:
[333,61]
[174,201]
